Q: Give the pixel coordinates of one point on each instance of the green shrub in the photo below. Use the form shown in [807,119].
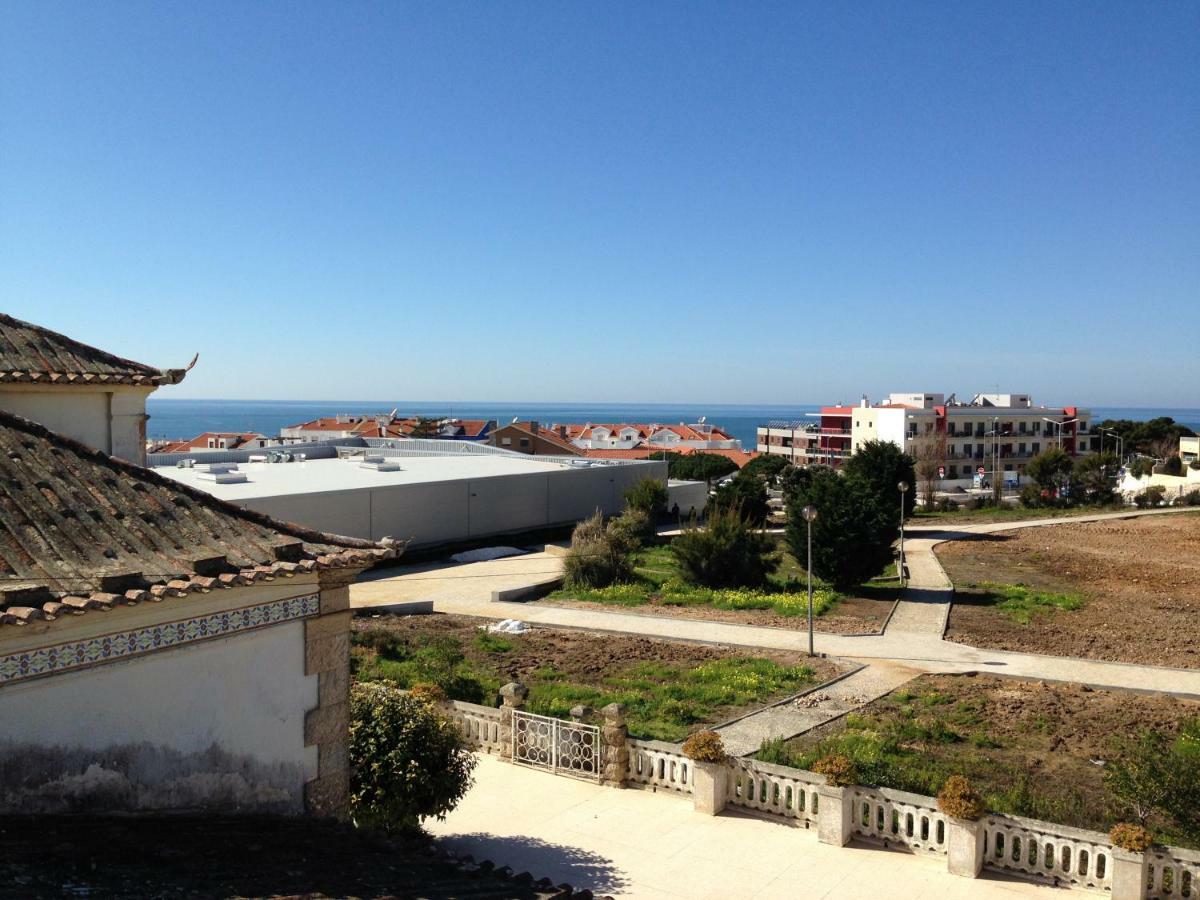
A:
[1031,496]
[406,762]
[1127,836]
[946,505]
[633,528]
[705,746]
[839,770]
[1192,498]
[744,495]
[649,495]
[1141,467]
[959,799]
[1150,497]
[598,556]
[1173,465]
[766,466]
[697,466]
[883,465]
[726,552]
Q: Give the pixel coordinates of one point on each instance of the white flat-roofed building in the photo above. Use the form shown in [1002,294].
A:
[430,498]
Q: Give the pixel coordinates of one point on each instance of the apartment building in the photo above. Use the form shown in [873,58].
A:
[1189,449]
[991,432]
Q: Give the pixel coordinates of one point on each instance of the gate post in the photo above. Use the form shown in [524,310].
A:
[614,746]
[512,697]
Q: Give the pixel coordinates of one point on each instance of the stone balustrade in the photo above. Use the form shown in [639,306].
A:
[1172,872]
[480,725]
[775,790]
[888,817]
[660,765]
[1048,852]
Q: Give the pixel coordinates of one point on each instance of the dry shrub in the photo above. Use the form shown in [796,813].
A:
[427,692]
[705,746]
[959,799]
[1128,836]
[837,769]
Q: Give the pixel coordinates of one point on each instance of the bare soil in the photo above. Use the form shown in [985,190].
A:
[1140,579]
[1031,748]
[854,615]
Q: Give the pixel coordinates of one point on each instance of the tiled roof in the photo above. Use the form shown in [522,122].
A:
[81,530]
[549,435]
[30,353]
[739,457]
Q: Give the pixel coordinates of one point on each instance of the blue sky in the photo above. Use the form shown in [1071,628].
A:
[655,202]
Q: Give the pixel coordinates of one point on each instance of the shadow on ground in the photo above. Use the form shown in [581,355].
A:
[579,868]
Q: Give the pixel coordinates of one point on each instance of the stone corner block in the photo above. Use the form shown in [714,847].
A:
[964,846]
[328,796]
[1130,871]
[710,787]
[835,815]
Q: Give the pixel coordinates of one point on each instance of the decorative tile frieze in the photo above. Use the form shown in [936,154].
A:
[138,641]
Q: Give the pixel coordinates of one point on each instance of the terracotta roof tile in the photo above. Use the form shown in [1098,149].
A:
[80,530]
[31,353]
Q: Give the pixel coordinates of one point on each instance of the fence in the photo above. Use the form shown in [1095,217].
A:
[888,816]
[1018,847]
[659,765]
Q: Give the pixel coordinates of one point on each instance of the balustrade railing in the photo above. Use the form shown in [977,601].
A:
[777,790]
[480,725]
[1051,852]
[1174,873]
[660,765]
[898,817]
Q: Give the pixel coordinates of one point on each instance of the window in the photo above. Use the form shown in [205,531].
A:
[524,442]
[1037,447]
[1008,467]
[507,442]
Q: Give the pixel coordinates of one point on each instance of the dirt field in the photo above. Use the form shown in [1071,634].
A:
[1140,580]
[854,615]
[669,687]
[1031,748]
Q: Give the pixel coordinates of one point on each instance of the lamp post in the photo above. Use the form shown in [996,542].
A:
[810,513]
[903,487]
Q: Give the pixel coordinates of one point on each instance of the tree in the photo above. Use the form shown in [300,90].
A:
[746,495]
[1096,477]
[1142,437]
[649,495]
[883,465]
[765,465]
[854,530]
[426,428]
[406,761]
[1051,469]
[725,553]
[1159,775]
[696,466]
[929,456]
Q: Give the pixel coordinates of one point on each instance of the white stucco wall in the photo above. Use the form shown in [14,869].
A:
[214,723]
[111,420]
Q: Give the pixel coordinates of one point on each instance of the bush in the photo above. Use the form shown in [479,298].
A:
[1173,466]
[633,528]
[598,556]
[1031,496]
[705,746]
[838,770]
[1191,498]
[1131,837]
[853,533]
[1157,775]
[427,692]
[1141,467]
[883,465]
[946,505]
[697,466]
[746,495]
[1050,469]
[959,799]
[766,466]
[1150,497]
[649,495]
[406,762]
[726,552]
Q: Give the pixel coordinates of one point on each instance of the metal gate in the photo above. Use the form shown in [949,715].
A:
[556,745]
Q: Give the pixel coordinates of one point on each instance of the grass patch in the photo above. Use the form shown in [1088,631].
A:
[1009,514]
[664,700]
[1021,603]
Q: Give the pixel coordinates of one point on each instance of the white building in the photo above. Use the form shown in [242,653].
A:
[626,436]
[77,390]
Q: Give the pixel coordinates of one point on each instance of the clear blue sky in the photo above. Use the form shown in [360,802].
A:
[657,202]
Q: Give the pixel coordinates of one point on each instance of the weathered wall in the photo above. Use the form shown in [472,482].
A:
[111,419]
[218,725]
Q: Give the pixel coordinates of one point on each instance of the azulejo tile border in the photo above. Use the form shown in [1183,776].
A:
[137,641]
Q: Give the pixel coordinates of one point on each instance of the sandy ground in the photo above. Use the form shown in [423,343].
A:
[1140,578]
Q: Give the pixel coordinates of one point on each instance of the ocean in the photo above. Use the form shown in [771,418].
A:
[178,419]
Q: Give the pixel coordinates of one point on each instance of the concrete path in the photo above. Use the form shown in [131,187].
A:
[634,843]
[472,582]
[794,717]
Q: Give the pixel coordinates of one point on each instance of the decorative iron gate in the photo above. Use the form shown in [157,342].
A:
[556,745]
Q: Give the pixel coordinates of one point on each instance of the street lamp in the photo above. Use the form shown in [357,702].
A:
[1120,443]
[903,487]
[810,513]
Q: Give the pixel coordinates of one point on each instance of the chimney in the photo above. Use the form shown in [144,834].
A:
[863,403]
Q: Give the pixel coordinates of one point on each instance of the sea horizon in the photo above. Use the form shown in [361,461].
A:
[178,419]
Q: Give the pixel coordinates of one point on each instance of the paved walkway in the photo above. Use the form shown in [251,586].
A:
[634,843]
